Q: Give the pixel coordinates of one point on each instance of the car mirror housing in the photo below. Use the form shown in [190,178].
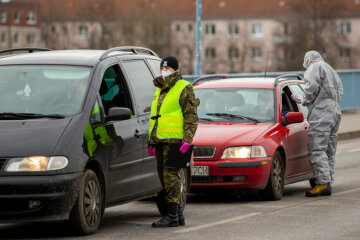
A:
[294,117]
[118,113]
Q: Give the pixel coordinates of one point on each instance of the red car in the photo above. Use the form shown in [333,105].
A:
[251,135]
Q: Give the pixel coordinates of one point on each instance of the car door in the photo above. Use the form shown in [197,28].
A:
[297,90]
[139,75]
[297,153]
[125,158]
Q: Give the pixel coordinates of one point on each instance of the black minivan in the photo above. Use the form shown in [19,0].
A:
[73,133]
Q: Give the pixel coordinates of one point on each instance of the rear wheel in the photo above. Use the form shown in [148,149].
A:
[87,212]
[275,185]
[160,199]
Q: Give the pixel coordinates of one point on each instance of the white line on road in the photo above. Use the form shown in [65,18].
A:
[191,229]
[355,150]
[346,192]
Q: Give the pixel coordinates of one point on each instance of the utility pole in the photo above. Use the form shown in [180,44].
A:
[198,37]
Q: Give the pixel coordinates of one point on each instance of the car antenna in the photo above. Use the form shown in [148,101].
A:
[267,60]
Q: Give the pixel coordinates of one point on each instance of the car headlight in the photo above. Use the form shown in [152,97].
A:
[244,152]
[36,164]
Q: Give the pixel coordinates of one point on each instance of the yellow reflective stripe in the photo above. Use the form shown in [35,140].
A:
[170,130]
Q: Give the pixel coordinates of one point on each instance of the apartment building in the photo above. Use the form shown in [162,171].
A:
[237,35]
[19,24]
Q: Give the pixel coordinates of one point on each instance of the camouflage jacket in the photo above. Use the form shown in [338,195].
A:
[188,105]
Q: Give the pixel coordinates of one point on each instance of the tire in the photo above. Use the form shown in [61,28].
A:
[312,183]
[275,185]
[86,214]
[160,199]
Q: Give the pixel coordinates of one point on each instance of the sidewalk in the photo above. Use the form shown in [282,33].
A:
[349,126]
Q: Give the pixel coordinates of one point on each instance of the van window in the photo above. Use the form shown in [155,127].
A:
[43,89]
[155,66]
[113,90]
[142,81]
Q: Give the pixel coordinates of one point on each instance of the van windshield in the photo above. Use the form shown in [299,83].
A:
[43,89]
[236,105]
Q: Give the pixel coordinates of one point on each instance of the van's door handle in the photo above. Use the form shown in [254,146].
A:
[137,133]
[306,126]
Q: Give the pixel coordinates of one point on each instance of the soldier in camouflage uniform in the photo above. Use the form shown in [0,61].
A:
[170,177]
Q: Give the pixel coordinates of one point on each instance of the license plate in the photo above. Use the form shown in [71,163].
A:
[200,171]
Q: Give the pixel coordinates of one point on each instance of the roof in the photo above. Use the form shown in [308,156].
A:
[61,57]
[254,82]
[117,9]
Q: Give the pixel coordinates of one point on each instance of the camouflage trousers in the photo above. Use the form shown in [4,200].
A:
[322,146]
[169,177]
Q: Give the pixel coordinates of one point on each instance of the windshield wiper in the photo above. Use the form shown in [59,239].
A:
[10,115]
[206,119]
[228,115]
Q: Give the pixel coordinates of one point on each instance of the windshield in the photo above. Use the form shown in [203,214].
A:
[43,89]
[236,105]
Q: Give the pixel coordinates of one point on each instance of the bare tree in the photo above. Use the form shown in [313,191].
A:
[310,27]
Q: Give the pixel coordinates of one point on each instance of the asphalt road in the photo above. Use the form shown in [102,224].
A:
[229,215]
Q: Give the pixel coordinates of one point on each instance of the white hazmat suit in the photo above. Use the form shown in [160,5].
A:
[323,92]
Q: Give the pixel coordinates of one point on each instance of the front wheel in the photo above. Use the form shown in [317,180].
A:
[184,188]
[275,185]
[87,212]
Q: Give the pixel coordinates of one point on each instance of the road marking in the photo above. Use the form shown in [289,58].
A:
[191,229]
[346,192]
[354,150]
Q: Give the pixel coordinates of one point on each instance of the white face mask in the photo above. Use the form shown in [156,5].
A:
[165,73]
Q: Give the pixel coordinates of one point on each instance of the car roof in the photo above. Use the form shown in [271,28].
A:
[238,82]
[62,57]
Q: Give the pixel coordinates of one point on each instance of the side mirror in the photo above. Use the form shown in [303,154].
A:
[294,117]
[118,113]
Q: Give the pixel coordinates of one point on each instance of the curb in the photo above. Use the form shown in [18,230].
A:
[348,135]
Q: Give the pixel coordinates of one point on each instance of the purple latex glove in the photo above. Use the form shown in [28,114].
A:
[151,150]
[183,149]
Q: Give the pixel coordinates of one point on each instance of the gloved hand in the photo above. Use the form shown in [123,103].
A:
[151,150]
[296,98]
[183,149]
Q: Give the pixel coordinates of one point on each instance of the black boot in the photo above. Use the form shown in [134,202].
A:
[171,219]
[181,216]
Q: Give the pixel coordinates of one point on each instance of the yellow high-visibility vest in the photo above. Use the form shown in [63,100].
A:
[170,117]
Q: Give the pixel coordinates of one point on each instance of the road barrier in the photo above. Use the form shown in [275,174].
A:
[349,78]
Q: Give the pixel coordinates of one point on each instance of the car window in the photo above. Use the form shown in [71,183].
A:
[155,66]
[297,90]
[96,114]
[43,89]
[113,90]
[142,81]
[252,103]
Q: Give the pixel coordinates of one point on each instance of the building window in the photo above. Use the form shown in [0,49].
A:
[286,28]
[83,31]
[345,53]
[233,53]
[345,28]
[3,17]
[210,29]
[210,53]
[256,53]
[30,38]
[233,29]
[17,17]
[16,38]
[177,27]
[189,52]
[31,18]
[3,38]
[190,27]
[257,30]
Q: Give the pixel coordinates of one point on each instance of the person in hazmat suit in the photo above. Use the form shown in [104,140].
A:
[323,92]
[173,119]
